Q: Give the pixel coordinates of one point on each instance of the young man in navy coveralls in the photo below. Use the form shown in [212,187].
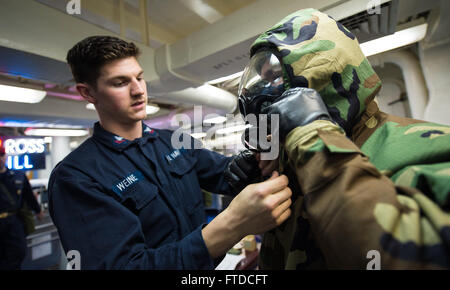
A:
[127,199]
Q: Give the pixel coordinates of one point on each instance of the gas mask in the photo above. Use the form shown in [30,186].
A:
[261,84]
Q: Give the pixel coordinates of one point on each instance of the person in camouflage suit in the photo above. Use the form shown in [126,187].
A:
[366,180]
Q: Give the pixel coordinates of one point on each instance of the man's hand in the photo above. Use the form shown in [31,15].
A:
[256,209]
[297,107]
[242,170]
[261,206]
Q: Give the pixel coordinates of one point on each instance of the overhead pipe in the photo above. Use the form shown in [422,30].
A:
[412,74]
[187,88]
[205,95]
[173,120]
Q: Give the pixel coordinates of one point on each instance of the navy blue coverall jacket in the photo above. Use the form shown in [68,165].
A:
[135,204]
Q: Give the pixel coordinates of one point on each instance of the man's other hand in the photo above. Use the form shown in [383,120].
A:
[261,206]
[242,170]
[297,107]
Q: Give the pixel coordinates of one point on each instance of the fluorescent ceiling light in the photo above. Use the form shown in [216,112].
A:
[204,10]
[73,144]
[56,132]
[150,109]
[215,120]
[21,95]
[35,124]
[227,78]
[233,129]
[400,38]
[198,135]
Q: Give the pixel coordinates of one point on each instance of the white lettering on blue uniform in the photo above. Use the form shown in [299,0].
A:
[127,182]
[175,154]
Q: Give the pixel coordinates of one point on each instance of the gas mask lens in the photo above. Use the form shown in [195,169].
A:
[261,82]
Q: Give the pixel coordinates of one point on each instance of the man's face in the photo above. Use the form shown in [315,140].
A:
[269,74]
[121,93]
[261,83]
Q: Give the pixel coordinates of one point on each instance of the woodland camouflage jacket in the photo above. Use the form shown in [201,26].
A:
[375,182]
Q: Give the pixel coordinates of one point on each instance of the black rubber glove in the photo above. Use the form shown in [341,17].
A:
[242,170]
[297,107]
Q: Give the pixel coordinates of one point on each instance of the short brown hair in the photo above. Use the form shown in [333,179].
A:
[88,56]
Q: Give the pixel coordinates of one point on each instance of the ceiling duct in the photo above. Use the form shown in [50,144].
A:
[371,24]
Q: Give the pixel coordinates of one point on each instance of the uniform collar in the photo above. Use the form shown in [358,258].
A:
[119,143]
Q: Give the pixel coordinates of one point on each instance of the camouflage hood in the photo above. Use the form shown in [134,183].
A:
[319,53]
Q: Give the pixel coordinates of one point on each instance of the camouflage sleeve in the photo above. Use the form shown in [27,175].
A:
[353,208]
